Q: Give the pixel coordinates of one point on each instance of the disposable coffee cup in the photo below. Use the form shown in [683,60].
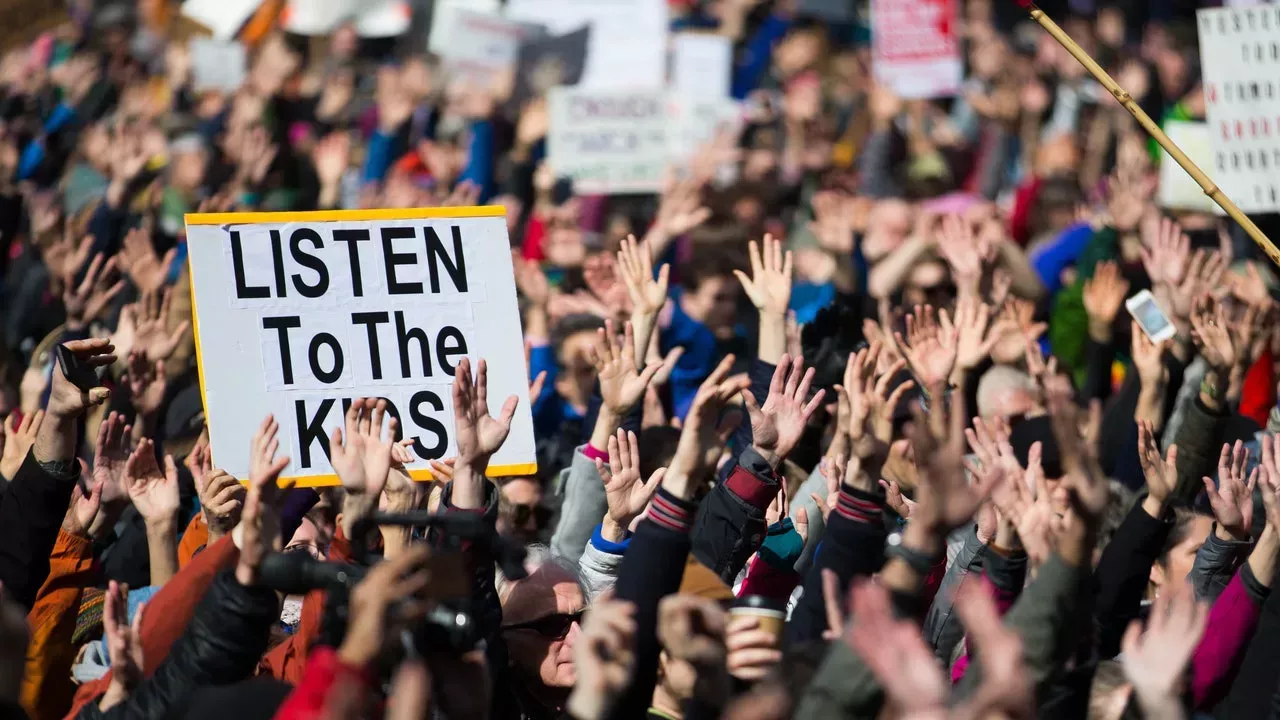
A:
[770,612]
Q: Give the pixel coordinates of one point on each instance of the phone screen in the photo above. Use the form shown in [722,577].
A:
[1151,318]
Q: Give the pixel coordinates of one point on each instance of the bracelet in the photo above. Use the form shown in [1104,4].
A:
[922,563]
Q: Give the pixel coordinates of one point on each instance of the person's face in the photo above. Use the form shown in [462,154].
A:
[523,497]
[189,169]
[716,301]
[540,622]
[575,381]
[344,42]
[1173,569]
[97,147]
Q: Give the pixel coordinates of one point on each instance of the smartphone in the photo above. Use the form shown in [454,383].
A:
[1150,317]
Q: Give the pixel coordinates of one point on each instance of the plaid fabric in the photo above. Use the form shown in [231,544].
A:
[89,620]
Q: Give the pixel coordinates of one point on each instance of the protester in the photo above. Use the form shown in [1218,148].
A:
[845,421]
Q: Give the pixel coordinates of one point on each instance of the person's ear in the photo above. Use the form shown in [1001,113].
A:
[1157,578]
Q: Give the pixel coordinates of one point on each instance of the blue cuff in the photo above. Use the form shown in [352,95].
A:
[613,548]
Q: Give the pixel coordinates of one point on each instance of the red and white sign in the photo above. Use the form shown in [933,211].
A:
[914,47]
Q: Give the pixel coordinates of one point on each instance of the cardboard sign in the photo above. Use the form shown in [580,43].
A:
[628,41]
[1177,190]
[217,64]
[223,18]
[914,47]
[609,142]
[1240,63]
[299,313]
[482,45]
[701,65]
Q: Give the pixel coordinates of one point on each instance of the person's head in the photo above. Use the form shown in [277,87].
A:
[710,289]
[888,226]
[1172,567]
[188,162]
[1007,392]
[95,146]
[541,621]
[657,447]
[520,511]
[1056,204]
[571,339]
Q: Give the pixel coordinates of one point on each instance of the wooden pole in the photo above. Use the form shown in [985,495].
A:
[1123,97]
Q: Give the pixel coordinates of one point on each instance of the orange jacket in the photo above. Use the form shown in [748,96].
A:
[175,603]
[47,686]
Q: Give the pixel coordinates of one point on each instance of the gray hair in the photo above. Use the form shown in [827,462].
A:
[538,556]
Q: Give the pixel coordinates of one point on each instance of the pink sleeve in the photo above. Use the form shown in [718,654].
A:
[1232,621]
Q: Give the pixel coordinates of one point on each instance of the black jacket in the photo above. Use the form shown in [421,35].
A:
[222,644]
[730,525]
[32,508]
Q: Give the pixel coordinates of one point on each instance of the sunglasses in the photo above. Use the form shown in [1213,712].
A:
[552,626]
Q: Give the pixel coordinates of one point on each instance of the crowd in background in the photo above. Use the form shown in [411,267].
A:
[847,421]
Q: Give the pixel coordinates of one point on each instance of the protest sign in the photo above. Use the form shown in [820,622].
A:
[701,64]
[1177,190]
[609,142]
[223,18]
[545,61]
[628,41]
[296,314]
[442,12]
[1240,60]
[914,47]
[481,45]
[695,121]
[372,18]
[217,64]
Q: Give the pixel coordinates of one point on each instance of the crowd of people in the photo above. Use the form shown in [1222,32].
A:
[847,421]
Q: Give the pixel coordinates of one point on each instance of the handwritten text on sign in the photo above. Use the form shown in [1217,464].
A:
[299,317]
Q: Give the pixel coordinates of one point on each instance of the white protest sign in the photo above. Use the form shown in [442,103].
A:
[701,65]
[217,64]
[299,313]
[480,44]
[628,44]
[223,17]
[372,18]
[914,47]
[1240,61]
[609,142]
[442,19]
[695,121]
[1177,190]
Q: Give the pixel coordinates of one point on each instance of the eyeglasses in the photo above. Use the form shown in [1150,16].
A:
[552,626]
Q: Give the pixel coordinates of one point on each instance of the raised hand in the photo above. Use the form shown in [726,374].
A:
[66,399]
[478,434]
[945,499]
[930,349]
[1232,497]
[1148,359]
[895,652]
[221,501]
[1007,689]
[138,260]
[83,510]
[603,659]
[625,492]
[1083,477]
[1155,661]
[967,255]
[777,425]
[648,294]
[701,441]
[769,286]
[147,384]
[392,589]
[622,385]
[1164,252]
[258,532]
[124,644]
[150,321]
[1104,294]
[1204,275]
[153,493]
[1210,328]
[973,341]
[110,455]
[87,301]
[18,439]
[362,455]
[692,632]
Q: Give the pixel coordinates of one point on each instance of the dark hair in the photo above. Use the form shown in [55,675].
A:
[709,262]
[657,447]
[569,326]
[1182,520]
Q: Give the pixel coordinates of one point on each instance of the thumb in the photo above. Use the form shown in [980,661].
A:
[170,469]
[98,395]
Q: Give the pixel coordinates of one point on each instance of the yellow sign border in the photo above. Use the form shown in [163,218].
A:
[331,480]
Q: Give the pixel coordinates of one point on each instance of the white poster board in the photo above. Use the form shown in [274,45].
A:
[480,44]
[914,47]
[373,18]
[609,142]
[298,312]
[1177,190]
[701,65]
[223,18]
[1240,63]
[442,18]
[694,121]
[628,45]
[217,64]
